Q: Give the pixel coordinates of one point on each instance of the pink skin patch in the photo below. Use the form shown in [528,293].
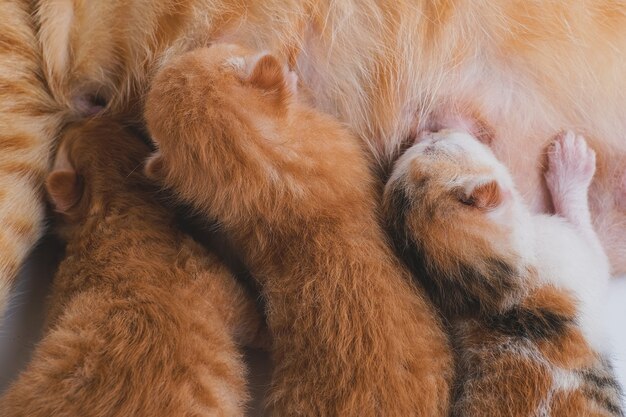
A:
[454,119]
[571,166]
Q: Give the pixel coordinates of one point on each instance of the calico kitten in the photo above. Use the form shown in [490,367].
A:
[142,320]
[521,291]
[292,189]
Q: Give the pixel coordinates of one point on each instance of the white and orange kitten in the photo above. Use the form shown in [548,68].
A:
[521,291]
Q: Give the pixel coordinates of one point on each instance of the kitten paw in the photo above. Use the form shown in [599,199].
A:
[571,162]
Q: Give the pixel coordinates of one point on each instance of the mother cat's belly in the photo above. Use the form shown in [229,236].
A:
[382,66]
[521,136]
[525,90]
[523,122]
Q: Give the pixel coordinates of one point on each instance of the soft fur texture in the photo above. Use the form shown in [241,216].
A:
[528,67]
[294,192]
[521,291]
[28,120]
[142,320]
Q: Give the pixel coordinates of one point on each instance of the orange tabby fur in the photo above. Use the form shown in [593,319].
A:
[292,189]
[29,119]
[529,67]
[142,320]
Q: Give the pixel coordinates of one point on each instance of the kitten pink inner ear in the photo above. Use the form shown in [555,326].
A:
[487,196]
[155,167]
[268,74]
[64,188]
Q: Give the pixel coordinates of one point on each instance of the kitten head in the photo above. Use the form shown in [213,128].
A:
[246,91]
[457,219]
[96,162]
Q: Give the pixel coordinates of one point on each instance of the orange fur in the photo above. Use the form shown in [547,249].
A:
[485,196]
[292,189]
[527,67]
[142,320]
[28,123]
[64,189]
[506,385]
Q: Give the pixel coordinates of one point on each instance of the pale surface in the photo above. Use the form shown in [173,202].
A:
[22,328]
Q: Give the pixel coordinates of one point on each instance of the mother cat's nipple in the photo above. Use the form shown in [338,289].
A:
[460,117]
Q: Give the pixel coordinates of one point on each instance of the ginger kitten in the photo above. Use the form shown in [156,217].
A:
[521,291]
[142,320]
[292,189]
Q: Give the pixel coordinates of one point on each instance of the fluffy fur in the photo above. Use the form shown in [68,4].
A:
[528,67]
[293,190]
[28,120]
[142,320]
[521,291]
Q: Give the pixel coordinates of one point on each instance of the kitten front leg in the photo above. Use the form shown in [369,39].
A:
[571,166]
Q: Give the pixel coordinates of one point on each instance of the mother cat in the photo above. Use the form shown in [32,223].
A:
[527,67]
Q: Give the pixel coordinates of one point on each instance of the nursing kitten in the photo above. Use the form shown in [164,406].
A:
[142,320]
[292,189]
[379,66]
[521,291]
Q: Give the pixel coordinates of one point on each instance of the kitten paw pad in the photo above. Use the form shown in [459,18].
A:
[570,160]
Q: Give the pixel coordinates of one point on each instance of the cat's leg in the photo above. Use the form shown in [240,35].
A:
[571,166]
[28,123]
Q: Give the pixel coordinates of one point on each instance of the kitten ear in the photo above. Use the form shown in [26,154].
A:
[267,74]
[485,196]
[64,188]
[154,167]
[271,76]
